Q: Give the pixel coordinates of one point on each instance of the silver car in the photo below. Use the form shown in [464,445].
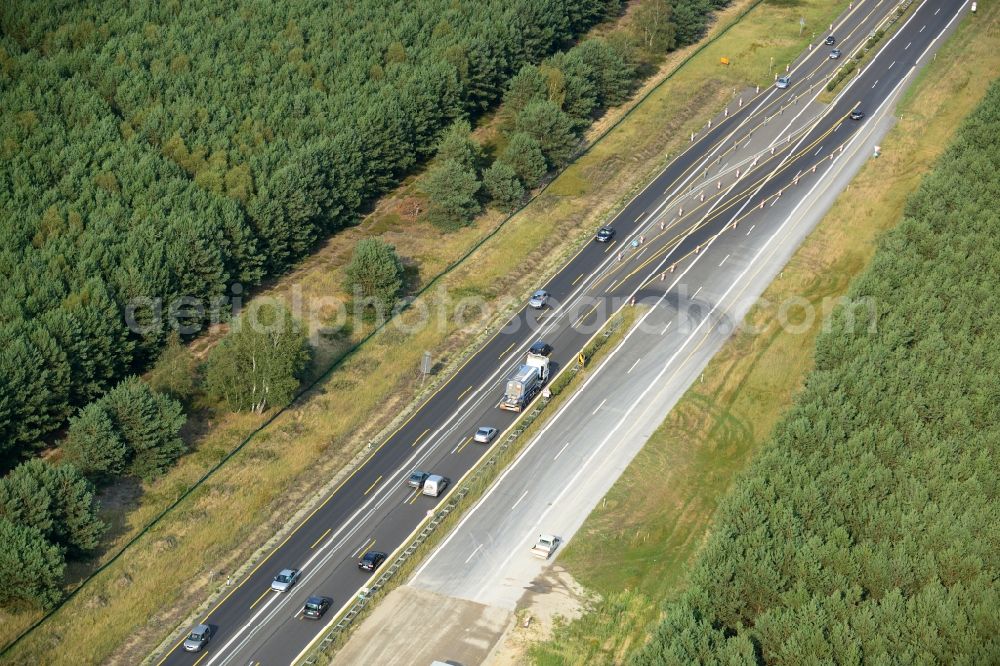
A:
[199,637]
[285,580]
[485,435]
[783,82]
[539,299]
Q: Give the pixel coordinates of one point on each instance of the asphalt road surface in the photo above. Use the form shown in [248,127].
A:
[730,165]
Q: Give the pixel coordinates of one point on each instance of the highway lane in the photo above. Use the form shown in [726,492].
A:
[373,501]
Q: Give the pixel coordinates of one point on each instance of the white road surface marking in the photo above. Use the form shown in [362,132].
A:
[633,366]
[561,450]
[525,494]
[751,228]
[473,553]
[724,260]
[600,405]
[666,327]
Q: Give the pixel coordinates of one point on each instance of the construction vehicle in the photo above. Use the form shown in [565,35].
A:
[526,382]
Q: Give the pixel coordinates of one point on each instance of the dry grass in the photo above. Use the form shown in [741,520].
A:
[656,518]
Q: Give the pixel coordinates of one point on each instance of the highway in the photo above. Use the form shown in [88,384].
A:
[728,176]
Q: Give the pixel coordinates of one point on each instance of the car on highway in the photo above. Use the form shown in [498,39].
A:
[372,560]
[315,607]
[485,435]
[835,54]
[285,580]
[198,638]
[783,82]
[857,114]
[539,299]
[417,479]
[541,348]
[435,485]
[604,234]
[830,41]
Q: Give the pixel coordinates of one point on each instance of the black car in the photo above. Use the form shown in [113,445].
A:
[857,114]
[604,234]
[830,41]
[316,606]
[372,560]
[541,348]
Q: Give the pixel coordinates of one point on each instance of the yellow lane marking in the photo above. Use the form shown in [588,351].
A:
[462,446]
[200,658]
[322,536]
[260,597]
[426,430]
[576,280]
[375,483]
[585,315]
[464,392]
[504,352]
[610,245]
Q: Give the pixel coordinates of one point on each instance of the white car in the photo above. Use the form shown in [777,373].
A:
[485,435]
[285,580]
[545,546]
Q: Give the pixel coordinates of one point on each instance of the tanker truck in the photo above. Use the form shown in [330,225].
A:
[526,382]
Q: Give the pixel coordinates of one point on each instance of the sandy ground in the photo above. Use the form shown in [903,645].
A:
[459,632]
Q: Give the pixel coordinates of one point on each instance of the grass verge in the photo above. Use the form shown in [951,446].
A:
[121,613]
[658,516]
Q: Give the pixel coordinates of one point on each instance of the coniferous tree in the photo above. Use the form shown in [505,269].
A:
[94,444]
[149,425]
[526,86]
[549,125]
[55,500]
[457,146]
[524,155]
[31,568]
[452,192]
[504,187]
[375,272]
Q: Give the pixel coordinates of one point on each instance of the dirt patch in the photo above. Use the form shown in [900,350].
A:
[554,597]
